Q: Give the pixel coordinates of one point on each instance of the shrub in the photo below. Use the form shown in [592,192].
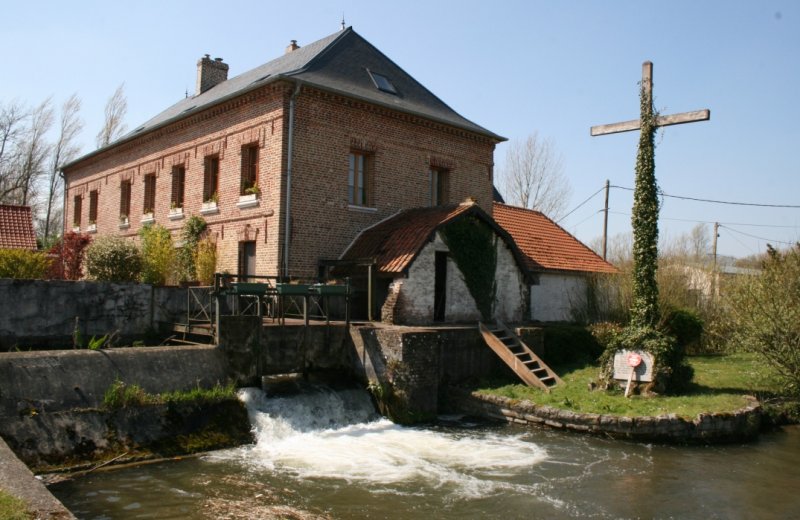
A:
[206,261]
[158,254]
[570,344]
[23,264]
[193,230]
[113,259]
[68,253]
[604,332]
[765,314]
[685,326]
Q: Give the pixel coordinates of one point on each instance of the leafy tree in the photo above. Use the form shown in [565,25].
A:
[158,254]
[533,176]
[110,258]
[764,313]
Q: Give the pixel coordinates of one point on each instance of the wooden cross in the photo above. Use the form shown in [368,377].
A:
[673,119]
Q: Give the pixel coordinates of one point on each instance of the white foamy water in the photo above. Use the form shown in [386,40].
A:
[337,435]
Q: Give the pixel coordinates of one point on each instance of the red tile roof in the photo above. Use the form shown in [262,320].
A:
[546,245]
[16,227]
[397,240]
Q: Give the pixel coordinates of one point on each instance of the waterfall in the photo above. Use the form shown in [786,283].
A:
[326,434]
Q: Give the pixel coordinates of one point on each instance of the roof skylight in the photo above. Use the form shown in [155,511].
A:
[382,82]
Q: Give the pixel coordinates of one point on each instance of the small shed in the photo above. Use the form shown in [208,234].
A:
[561,265]
[439,264]
[16,227]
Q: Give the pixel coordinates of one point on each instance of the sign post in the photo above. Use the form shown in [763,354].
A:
[630,364]
[634,360]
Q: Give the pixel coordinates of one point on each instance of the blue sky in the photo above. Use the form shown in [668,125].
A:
[514,67]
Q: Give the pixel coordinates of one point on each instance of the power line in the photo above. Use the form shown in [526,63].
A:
[581,204]
[696,199]
[757,237]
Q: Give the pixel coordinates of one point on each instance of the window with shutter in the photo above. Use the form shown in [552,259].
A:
[124,199]
[249,181]
[77,202]
[211,179]
[178,183]
[359,180]
[92,206]
[149,193]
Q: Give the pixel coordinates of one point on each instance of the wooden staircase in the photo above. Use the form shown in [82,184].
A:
[519,357]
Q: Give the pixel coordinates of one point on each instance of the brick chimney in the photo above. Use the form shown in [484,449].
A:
[210,73]
[292,47]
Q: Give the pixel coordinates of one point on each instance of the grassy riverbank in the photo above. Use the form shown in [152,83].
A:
[720,385]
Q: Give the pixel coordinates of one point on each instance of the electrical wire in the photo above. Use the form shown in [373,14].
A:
[757,237]
[593,195]
[696,199]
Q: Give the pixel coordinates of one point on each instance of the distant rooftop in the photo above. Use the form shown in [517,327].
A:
[16,227]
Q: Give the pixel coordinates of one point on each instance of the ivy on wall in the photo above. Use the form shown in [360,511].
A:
[472,245]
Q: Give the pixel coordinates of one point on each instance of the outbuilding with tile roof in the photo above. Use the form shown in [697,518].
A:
[420,279]
[562,265]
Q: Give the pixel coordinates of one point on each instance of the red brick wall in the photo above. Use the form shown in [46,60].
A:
[326,129]
[223,131]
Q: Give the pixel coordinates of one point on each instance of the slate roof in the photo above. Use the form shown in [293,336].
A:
[337,63]
[395,242]
[545,245]
[16,227]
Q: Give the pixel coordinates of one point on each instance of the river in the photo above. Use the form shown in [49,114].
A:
[326,454]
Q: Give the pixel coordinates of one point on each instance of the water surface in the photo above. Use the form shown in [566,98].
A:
[327,454]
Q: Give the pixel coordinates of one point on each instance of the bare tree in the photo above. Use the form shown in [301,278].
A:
[32,152]
[114,124]
[12,117]
[533,176]
[63,151]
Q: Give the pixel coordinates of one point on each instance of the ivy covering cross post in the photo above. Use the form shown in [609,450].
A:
[644,217]
[670,372]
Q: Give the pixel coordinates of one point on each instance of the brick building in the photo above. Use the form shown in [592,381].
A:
[333,134]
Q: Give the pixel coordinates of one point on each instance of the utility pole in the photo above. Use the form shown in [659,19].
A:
[716,235]
[605,221]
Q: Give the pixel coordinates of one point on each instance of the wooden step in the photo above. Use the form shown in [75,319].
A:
[519,357]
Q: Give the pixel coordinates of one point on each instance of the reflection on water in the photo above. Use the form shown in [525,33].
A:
[326,454]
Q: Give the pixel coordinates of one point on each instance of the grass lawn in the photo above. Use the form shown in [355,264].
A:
[720,384]
[12,508]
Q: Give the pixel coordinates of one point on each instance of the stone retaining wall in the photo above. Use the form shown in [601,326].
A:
[79,437]
[741,425]
[41,313]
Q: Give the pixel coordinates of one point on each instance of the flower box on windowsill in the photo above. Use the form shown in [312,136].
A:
[148,218]
[175,213]
[209,208]
[76,229]
[248,200]
[92,228]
